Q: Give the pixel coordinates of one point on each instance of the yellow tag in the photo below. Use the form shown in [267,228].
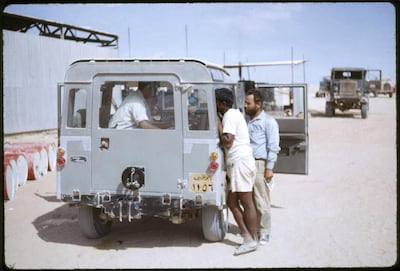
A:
[201,182]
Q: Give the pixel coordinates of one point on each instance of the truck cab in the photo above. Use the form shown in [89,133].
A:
[349,88]
[176,173]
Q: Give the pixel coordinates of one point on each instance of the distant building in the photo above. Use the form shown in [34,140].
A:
[36,55]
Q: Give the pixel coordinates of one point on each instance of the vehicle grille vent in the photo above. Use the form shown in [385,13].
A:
[348,89]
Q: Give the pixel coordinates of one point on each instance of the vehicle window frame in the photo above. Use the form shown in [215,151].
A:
[76,116]
[100,80]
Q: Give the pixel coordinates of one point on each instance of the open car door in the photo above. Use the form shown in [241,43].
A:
[287,103]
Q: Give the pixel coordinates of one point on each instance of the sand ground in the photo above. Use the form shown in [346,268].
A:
[342,214]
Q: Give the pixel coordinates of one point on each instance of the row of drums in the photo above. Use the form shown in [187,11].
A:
[26,161]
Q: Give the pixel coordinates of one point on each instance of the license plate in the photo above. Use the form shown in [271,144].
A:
[201,182]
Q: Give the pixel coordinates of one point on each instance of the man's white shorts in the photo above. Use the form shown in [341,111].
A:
[242,174]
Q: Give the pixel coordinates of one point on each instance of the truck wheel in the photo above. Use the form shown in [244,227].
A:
[214,223]
[364,111]
[329,109]
[90,223]
[390,95]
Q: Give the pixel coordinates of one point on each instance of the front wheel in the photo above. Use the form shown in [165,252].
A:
[364,111]
[214,223]
[91,224]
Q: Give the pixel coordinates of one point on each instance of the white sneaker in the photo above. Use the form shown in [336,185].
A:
[264,239]
[245,248]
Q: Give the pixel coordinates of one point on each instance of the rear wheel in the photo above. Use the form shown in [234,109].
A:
[91,224]
[364,111]
[214,223]
[329,109]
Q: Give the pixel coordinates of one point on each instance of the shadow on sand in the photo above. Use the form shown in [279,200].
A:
[61,226]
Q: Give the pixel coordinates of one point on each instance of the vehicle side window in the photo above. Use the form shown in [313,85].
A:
[124,105]
[198,110]
[77,108]
[284,102]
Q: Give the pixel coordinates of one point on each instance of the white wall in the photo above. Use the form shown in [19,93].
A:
[32,67]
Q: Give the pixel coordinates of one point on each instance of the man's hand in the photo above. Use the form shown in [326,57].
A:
[268,174]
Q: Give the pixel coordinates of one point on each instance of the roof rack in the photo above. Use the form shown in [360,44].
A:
[207,64]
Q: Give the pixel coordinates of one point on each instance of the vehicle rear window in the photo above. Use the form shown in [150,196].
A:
[198,110]
[77,108]
[124,105]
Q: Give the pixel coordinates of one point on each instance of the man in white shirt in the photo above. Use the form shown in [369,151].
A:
[134,112]
[241,168]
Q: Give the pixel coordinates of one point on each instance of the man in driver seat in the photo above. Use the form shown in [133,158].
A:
[134,111]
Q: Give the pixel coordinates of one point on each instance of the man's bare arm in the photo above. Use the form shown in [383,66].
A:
[226,138]
[144,124]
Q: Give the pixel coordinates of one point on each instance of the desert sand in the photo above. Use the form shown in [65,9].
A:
[342,214]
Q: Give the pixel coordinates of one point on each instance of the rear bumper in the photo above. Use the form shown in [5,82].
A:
[172,206]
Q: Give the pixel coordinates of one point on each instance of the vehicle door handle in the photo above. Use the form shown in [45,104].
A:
[104,143]
[292,150]
[78,159]
[301,147]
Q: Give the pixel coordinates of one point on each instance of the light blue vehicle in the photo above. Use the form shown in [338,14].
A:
[175,173]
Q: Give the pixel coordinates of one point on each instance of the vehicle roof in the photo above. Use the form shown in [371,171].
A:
[348,69]
[187,69]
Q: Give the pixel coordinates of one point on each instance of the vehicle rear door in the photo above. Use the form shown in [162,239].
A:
[287,103]
[199,134]
[74,137]
[157,151]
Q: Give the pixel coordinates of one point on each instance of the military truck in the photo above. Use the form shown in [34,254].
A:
[384,87]
[177,173]
[348,89]
[323,87]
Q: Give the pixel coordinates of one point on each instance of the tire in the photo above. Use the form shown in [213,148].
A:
[214,223]
[364,111]
[90,223]
[390,95]
[329,109]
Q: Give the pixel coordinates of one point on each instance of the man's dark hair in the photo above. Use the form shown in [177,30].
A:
[144,84]
[256,94]
[224,95]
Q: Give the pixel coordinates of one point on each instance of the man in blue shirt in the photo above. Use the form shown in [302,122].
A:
[264,140]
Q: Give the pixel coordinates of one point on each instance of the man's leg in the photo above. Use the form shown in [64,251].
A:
[249,212]
[249,244]
[262,200]
[234,206]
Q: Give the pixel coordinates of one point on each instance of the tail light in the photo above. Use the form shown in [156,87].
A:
[60,158]
[213,166]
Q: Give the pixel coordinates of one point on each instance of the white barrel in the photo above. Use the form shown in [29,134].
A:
[9,177]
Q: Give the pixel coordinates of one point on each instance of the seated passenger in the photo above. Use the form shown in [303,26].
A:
[134,111]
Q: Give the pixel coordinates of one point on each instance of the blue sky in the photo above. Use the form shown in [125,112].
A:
[325,34]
